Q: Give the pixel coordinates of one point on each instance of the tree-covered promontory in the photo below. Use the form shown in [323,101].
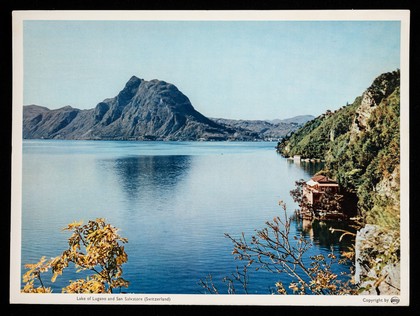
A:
[360,144]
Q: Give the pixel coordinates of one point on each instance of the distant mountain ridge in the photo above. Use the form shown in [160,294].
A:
[143,110]
[268,130]
[300,119]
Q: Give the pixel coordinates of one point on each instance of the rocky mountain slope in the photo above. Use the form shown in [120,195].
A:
[143,110]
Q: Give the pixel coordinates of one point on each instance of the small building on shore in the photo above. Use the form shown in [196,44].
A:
[313,191]
[317,186]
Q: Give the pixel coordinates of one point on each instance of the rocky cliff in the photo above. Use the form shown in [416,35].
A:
[377,264]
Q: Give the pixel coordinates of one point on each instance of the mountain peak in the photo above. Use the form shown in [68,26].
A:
[134,79]
[133,82]
[130,89]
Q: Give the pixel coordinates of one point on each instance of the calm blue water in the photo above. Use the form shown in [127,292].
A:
[174,201]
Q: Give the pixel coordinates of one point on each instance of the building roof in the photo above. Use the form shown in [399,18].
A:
[329,184]
[322,179]
[311,182]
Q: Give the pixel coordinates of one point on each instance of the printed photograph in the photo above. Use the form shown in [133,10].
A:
[210,158]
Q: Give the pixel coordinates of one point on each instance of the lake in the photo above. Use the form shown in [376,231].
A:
[174,201]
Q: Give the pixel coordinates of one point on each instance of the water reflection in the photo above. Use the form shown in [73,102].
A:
[309,167]
[148,173]
[320,234]
[174,209]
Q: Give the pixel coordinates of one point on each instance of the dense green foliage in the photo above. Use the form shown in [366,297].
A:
[360,144]
[315,138]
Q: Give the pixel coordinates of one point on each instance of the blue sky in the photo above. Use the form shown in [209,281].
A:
[229,69]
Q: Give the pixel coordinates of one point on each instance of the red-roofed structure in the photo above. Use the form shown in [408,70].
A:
[317,186]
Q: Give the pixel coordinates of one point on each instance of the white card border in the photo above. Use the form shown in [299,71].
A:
[179,299]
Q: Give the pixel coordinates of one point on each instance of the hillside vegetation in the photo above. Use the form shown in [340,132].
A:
[360,144]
